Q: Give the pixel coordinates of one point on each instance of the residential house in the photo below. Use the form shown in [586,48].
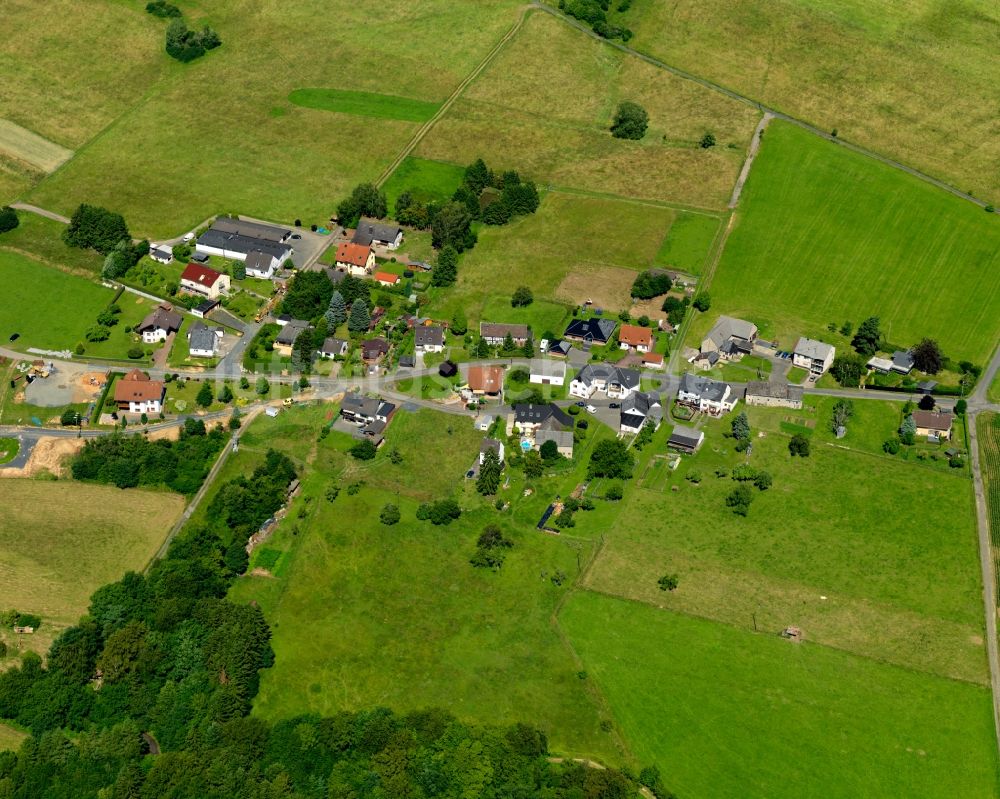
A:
[706,395]
[902,362]
[495,334]
[289,333]
[815,356]
[161,253]
[880,365]
[559,348]
[546,372]
[334,348]
[639,408]
[686,439]
[607,378]
[595,330]
[203,341]
[371,231]
[428,339]
[485,380]
[206,282]
[635,337]
[563,439]
[652,360]
[236,240]
[773,395]
[529,418]
[159,324]
[374,349]
[137,393]
[730,338]
[357,259]
[261,264]
[490,444]
[386,279]
[370,414]
[935,425]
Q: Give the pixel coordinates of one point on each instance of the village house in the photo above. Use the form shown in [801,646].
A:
[634,337]
[206,282]
[935,425]
[815,356]
[261,264]
[371,415]
[495,334]
[607,378]
[486,380]
[239,240]
[386,279]
[357,259]
[562,438]
[729,339]
[159,324]
[652,360]
[290,331]
[374,349]
[203,341]
[334,348]
[595,330]
[639,408]
[428,339]
[490,444]
[774,395]
[706,395]
[137,393]
[161,253]
[371,231]
[686,439]
[547,373]
[902,362]
[529,419]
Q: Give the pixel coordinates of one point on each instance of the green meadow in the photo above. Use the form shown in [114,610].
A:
[688,243]
[364,104]
[727,713]
[426,180]
[825,235]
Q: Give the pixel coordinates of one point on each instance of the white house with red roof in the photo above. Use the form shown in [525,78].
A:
[356,259]
[206,282]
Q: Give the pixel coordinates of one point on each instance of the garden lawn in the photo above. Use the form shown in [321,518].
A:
[864,552]
[825,234]
[727,713]
[426,180]
[365,104]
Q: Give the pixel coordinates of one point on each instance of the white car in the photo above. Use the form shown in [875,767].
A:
[591,409]
[188,237]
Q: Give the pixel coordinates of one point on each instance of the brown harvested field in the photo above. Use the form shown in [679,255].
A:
[605,286]
[545,105]
[37,152]
[61,540]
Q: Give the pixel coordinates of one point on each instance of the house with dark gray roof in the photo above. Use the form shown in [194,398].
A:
[370,414]
[490,444]
[902,362]
[495,333]
[237,246]
[374,349]
[731,338]
[816,356]
[706,395]
[686,439]
[595,330]
[611,380]
[371,231]
[203,341]
[639,408]
[255,230]
[428,338]
[289,333]
[159,324]
[774,395]
[529,419]
[562,438]
[334,347]
[261,264]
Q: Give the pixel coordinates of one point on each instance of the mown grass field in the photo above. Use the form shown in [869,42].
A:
[883,76]
[62,540]
[306,159]
[825,235]
[427,180]
[894,552]
[34,150]
[42,239]
[545,104]
[727,713]
[688,243]
[364,104]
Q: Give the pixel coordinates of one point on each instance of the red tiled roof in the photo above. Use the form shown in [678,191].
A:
[354,254]
[386,277]
[486,378]
[137,387]
[202,275]
[652,357]
[634,335]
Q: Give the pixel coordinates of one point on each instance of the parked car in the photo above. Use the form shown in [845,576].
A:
[469,474]
[296,236]
[187,237]
[591,409]
[614,405]
[15,336]
[580,404]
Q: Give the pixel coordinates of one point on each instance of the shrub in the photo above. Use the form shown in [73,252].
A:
[668,582]
[891,445]
[744,472]
[8,219]
[96,228]
[702,301]
[614,492]
[522,296]
[630,121]
[763,480]
[390,515]
[364,450]
[706,141]
[651,283]
[926,403]
[799,445]
[739,499]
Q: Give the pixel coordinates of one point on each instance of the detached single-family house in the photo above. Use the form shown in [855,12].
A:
[563,439]
[559,348]
[159,324]
[206,282]
[595,330]
[706,395]
[495,334]
[357,259]
[334,348]
[136,393]
[686,439]
[639,408]
[428,339]
[773,395]
[261,264]
[386,279]
[374,349]
[161,253]
[902,362]
[607,378]
[935,425]
[371,231]
[880,365]
[635,337]
[530,418]
[652,360]
[485,380]
[547,373]
[729,338]
[203,341]
[370,414]
[490,444]
[289,333]
[816,356]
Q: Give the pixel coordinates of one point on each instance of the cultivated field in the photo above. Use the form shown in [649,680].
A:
[727,713]
[23,145]
[545,104]
[824,235]
[910,80]
[62,540]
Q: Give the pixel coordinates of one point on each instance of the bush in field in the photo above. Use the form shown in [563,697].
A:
[630,122]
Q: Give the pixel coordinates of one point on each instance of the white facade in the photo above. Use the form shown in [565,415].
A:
[155,335]
[815,356]
[709,405]
[547,373]
[145,406]
[500,453]
[266,273]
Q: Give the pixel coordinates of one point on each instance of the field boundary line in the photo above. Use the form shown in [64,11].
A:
[735,95]
[447,104]
[715,213]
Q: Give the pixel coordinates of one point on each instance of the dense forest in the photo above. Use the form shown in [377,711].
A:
[149,696]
